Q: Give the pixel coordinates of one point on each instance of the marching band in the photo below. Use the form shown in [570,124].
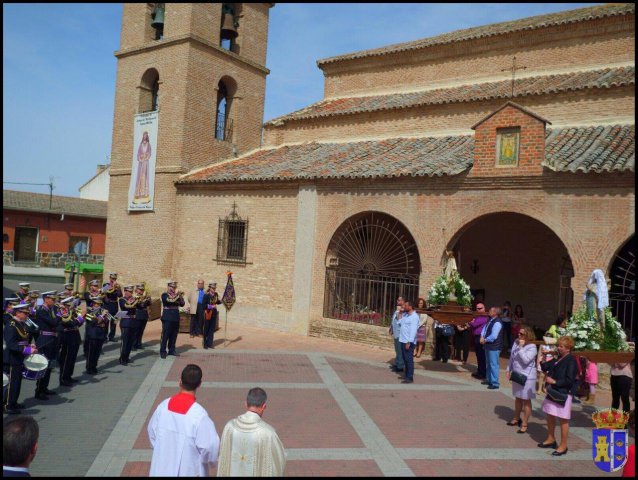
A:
[38,338]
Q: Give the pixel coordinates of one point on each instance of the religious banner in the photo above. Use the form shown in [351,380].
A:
[228,299]
[141,188]
[507,147]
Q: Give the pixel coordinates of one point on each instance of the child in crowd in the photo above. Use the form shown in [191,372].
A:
[591,379]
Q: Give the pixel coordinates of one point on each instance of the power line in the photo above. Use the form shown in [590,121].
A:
[50,185]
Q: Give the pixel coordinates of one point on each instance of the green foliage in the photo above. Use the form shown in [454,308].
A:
[584,328]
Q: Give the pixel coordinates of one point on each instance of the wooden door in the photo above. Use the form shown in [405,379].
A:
[25,244]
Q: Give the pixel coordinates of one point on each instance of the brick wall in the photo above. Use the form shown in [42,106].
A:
[572,108]
[601,42]
[531,144]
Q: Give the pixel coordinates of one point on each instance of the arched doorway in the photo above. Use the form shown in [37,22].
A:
[622,295]
[510,256]
[371,260]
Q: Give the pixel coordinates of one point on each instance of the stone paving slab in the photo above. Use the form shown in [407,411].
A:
[354,403]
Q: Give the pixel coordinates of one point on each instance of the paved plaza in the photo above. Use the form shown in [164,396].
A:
[337,408]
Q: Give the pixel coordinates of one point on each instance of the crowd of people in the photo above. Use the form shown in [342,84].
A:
[42,330]
[552,369]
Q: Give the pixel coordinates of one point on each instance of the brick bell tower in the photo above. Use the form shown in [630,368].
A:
[200,66]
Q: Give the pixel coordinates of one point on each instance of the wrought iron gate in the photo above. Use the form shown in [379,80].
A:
[374,260]
[622,296]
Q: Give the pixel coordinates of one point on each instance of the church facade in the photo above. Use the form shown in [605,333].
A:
[510,144]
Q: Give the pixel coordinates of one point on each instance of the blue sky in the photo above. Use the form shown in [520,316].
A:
[59,71]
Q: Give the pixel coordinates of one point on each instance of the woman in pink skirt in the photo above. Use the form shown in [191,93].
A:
[561,376]
[523,360]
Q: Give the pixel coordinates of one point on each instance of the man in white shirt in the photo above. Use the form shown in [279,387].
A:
[183,437]
[250,447]
[407,339]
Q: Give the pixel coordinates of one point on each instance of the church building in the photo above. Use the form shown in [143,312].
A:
[510,144]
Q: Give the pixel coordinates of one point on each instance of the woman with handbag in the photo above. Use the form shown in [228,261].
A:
[560,381]
[521,371]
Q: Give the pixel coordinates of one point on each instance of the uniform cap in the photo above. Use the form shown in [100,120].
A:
[172,283]
[94,282]
[113,275]
[212,284]
[97,299]
[128,288]
[34,294]
[48,294]
[66,300]
[24,284]
[140,285]
[23,307]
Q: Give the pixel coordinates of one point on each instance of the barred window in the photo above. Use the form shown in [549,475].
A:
[232,239]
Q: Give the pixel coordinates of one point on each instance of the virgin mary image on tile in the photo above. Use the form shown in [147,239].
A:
[143,167]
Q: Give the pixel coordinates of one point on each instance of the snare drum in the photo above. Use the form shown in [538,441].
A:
[35,367]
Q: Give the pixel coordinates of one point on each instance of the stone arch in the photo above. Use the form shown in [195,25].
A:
[622,293]
[149,90]
[514,256]
[371,259]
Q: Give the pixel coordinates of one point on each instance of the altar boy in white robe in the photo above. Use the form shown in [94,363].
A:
[183,437]
[249,446]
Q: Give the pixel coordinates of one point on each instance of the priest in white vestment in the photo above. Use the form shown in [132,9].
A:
[183,437]
[249,446]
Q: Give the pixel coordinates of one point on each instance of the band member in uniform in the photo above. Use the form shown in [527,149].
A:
[23,292]
[69,292]
[95,333]
[171,301]
[70,340]
[112,292]
[128,324]
[88,297]
[32,326]
[47,341]
[17,348]
[211,314]
[9,303]
[141,314]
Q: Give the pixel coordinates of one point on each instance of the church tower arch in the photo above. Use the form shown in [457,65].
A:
[372,259]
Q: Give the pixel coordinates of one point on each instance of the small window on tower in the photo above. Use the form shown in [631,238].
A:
[222,123]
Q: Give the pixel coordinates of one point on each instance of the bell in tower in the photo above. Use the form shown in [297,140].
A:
[158,18]
[229,22]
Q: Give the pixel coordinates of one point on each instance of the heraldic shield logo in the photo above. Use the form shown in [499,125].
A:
[609,439]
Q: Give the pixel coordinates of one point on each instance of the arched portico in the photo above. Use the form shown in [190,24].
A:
[511,256]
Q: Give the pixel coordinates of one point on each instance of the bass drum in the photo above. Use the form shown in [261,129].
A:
[35,367]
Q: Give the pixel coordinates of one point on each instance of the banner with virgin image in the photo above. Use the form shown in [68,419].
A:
[142,186]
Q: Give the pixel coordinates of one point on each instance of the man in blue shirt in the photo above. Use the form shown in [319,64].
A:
[398,366]
[492,341]
[407,339]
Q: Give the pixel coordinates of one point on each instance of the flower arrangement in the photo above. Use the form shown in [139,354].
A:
[442,290]
[584,328]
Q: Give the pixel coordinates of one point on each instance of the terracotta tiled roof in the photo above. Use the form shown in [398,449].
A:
[394,157]
[39,202]
[529,23]
[591,149]
[569,149]
[539,85]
